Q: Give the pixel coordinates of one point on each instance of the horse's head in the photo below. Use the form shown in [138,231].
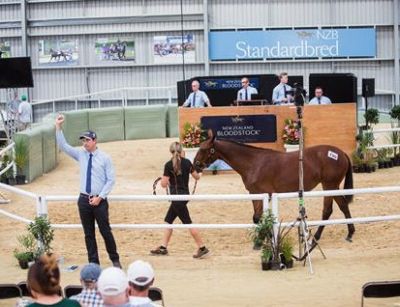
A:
[206,153]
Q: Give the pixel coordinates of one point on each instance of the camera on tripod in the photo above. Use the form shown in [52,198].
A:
[298,92]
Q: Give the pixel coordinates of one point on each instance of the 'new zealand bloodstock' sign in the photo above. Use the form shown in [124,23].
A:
[244,129]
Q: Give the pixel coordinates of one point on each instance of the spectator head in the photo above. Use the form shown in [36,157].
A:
[89,275]
[23,98]
[283,76]
[318,91]
[195,85]
[44,277]
[89,140]
[113,286]
[140,275]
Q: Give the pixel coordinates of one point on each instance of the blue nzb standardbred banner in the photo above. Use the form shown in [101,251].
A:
[298,43]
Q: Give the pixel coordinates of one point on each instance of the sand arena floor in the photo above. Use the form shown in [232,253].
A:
[232,276]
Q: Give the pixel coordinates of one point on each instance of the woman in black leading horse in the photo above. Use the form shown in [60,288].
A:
[176,177]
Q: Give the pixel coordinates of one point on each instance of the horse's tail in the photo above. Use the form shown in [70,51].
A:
[348,182]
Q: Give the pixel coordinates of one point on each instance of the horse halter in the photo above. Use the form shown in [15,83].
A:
[200,166]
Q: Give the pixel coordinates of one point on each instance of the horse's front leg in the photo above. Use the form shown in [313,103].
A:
[258,210]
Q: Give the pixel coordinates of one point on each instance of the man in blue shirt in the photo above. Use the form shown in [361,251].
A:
[197,99]
[281,93]
[96,181]
[319,98]
[246,91]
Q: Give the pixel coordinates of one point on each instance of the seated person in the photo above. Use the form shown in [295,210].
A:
[197,99]
[113,287]
[281,93]
[246,91]
[319,97]
[141,277]
[89,296]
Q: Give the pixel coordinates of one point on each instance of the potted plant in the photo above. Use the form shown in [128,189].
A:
[28,243]
[192,137]
[291,135]
[371,118]
[21,149]
[8,176]
[395,135]
[42,231]
[273,244]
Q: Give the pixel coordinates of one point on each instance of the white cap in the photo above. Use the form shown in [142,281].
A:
[112,281]
[140,273]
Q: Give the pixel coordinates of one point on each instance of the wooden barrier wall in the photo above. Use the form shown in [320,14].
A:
[333,124]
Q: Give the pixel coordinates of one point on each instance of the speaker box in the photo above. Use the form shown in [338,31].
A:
[16,72]
[340,88]
[368,87]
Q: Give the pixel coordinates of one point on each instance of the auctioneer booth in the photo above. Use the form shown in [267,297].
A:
[262,125]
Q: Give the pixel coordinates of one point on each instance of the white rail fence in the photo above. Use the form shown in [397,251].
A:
[42,207]
[11,163]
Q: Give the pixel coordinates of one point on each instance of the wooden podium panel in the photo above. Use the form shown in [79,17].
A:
[333,124]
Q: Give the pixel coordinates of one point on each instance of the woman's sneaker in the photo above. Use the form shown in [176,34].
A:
[161,250]
[201,253]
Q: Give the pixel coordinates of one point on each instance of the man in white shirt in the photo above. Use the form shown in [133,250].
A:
[281,93]
[25,113]
[319,97]
[197,99]
[246,91]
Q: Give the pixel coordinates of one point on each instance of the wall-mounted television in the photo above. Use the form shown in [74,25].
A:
[16,72]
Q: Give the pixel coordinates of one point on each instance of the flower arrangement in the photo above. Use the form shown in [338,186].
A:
[291,133]
[192,135]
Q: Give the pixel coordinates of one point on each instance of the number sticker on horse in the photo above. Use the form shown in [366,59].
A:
[333,155]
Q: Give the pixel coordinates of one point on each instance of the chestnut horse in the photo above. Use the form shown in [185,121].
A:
[269,171]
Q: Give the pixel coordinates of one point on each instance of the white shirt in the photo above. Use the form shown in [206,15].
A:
[141,301]
[241,94]
[323,100]
[197,100]
[280,92]
[25,112]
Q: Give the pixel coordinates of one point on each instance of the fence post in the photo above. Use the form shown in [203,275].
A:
[265,203]
[54,106]
[275,212]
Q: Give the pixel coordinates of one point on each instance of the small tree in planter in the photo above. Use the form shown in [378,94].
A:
[21,149]
[41,230]
[273,245]
[371,118]
[395,135]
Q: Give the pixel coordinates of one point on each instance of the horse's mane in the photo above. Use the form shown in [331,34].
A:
[247,146]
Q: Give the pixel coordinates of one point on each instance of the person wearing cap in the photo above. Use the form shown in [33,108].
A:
[113,287]
[89,296]
[96,181]
[25,113]
[140,277]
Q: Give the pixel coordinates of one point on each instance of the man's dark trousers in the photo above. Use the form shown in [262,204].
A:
[89,214]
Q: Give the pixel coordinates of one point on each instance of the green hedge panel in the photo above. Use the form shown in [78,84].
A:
[34,167]
[75,123]
[172,121]
[145,122]
[108,124]
[49,147]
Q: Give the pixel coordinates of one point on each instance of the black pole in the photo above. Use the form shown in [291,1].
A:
[183,52]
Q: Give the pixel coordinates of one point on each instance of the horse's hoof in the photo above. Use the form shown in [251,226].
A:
[349,239]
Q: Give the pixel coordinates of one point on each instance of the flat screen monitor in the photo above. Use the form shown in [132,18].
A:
[16,72]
